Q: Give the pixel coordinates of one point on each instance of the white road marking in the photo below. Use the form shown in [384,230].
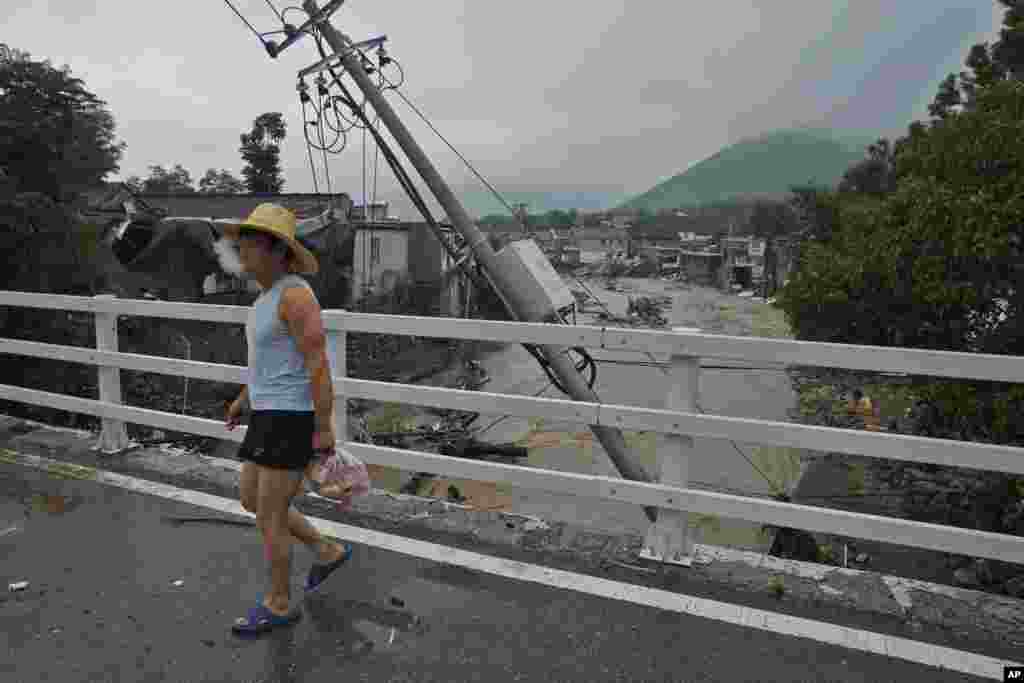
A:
[783,624]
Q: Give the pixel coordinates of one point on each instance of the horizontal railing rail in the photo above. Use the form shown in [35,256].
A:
[825,520]
[983,456]
[992,457]
[951,364]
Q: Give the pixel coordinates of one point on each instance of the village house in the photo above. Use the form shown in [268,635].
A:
[228,206]
[388,254]
[560,245]
[143,253]
[374,212]
[702,267]
[596,244]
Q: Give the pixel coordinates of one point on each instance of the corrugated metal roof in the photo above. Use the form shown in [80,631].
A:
[239,206]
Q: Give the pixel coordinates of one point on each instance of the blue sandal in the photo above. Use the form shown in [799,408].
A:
[318,573]
[260,620]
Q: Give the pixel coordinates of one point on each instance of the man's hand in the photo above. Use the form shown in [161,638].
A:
[323,439]
[234,413]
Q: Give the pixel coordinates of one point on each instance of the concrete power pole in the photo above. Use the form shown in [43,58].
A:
[561,365]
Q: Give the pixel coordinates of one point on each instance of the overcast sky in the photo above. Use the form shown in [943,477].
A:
[602,96]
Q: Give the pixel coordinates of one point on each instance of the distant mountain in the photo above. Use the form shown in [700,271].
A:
[765,166]
[480,204]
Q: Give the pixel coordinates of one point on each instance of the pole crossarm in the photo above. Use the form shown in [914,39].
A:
[274,50]
[334,61]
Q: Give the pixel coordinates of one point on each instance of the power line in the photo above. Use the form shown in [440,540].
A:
[501,419]
[772,484]
[245,20]
[274,10]
[452,148]
[663,364]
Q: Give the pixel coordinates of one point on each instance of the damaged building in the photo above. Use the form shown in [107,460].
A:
[163,246]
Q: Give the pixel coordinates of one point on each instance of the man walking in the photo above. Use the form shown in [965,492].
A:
[292,402]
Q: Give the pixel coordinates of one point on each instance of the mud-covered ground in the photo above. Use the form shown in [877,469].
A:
[629,378]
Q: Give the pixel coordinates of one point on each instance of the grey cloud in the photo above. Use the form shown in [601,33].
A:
[541,95]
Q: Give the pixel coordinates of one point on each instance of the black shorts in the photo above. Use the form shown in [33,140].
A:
[281,439]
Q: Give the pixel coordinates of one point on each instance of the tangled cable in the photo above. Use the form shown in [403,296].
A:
[361,121]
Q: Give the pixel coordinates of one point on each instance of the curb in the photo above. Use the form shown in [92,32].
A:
[909,601]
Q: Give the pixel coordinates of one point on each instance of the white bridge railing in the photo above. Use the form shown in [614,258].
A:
[667,539]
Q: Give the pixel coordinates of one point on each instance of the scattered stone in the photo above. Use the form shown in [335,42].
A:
[18,586]
[956,561]
[179,583]
[535,524]
[208,643]
[1015,587]
[966,577]
[397,602]
[983,570]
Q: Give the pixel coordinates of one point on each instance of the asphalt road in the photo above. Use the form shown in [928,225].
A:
[102,605]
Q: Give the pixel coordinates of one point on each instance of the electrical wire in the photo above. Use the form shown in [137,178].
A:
[587,361]
[366,209]
[662,364]
[775,487]
[274,10]
[257,33]
[376,167]
[376,152]
[309,31]
[481,430]
[327,167]
[318,124]
[312,169]
[422,116]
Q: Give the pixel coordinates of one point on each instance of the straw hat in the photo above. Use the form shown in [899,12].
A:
[278,221]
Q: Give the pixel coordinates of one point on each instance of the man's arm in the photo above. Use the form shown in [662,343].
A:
[243,398]
[301,313]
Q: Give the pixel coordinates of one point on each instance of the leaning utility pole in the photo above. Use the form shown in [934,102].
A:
[556,356]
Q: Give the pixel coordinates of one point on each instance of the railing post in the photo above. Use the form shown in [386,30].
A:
[113,436]
[669,539]
[338,342]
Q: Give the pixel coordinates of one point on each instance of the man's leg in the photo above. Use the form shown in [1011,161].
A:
[326,551]
[277,487]
[300,528]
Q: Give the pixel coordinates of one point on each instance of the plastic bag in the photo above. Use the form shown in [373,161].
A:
[341,476]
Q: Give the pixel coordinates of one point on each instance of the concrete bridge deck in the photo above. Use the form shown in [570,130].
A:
[432,594]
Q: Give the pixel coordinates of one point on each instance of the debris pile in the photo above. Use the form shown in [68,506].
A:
[648,310]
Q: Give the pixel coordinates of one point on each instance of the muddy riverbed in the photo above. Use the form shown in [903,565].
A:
[630,378]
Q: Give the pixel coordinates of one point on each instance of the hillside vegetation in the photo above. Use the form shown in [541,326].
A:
[763,167]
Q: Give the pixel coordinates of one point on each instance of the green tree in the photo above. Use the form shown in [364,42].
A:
[167,182]
[261,153]
[933,258]
[56,137]
[817,212]
[134,183]
[988,65]
[497,219]
[948,99]
[876,174]
[220,182]
[559,219]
